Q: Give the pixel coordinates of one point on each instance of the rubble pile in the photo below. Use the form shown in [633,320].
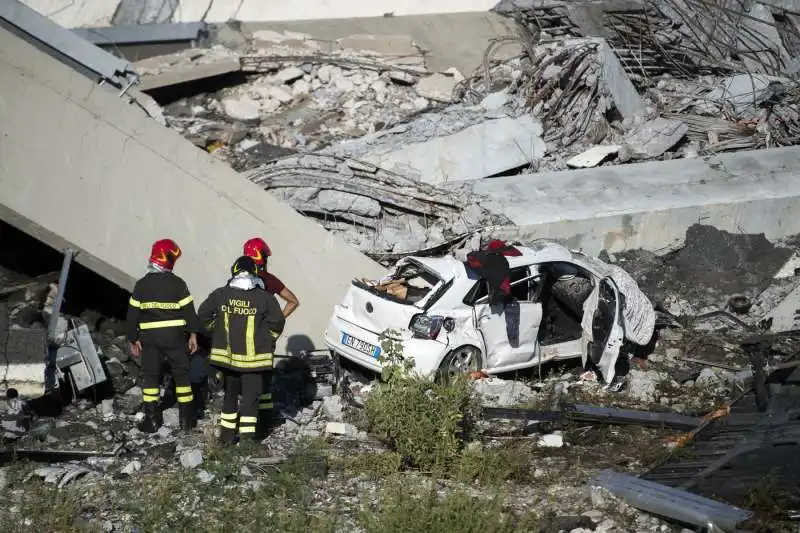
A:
[647,83]
[301,94]
[682,37]
[381,213]
[711,268]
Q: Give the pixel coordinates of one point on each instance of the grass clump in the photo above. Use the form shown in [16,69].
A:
[493,466]
[404,509]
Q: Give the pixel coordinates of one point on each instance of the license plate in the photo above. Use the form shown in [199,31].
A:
[361,346]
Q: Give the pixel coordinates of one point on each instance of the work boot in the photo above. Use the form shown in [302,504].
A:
[186,416]
[152,418]
[227,436]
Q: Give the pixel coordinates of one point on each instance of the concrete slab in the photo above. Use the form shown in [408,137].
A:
[453,33]
[280,10]
[650,205]
[478,151]
[189,73]
[71,13]
[593,156]
[81,167]
[449,39]
[786,315]
[624,94]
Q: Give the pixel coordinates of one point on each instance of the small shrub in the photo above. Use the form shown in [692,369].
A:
[394,365]
[425,422]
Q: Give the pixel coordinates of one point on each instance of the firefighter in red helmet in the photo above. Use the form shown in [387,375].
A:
[260,252]
[257,249]
[162,323]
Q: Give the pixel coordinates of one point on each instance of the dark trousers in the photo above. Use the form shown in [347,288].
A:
[249,385]
[153,358]
[265,399]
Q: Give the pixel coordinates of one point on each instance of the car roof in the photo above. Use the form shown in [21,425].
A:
[447,267]
[540,251]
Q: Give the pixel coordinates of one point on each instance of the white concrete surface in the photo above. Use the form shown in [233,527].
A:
[80,167]
[449,39]
[71,13]
[74,13]
[452,33]
[650,205]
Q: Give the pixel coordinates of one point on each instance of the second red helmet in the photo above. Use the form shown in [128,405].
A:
[257,249]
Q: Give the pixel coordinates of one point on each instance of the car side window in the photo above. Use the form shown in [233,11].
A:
[524,291]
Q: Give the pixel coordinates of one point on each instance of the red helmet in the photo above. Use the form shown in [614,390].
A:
[258,250]
[165,253]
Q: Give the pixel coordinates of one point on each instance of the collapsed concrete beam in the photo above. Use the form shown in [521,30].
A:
[448,39]
[478,151]
[650,205]
[81,167]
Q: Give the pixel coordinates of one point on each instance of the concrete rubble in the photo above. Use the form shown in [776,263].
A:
[94,441]
[360,135]
[576,93]
[379,212]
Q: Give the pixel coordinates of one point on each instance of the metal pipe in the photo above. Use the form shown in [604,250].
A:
[62,285]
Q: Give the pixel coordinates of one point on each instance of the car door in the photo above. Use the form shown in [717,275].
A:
[510,331]
[602,329]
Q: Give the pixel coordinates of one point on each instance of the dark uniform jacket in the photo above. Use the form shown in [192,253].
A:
[244,325]
[161,310]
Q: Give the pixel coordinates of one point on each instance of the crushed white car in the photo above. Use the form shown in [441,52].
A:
[565,305]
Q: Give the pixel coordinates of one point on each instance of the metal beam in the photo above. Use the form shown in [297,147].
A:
[597,415]
[144,33]
[65,46]
[672,503]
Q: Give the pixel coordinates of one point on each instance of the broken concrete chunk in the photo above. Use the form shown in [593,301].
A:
[553,440]
[338,201]
[205,476]
[437,87]
[494,102]
[502,393]
[192,459]
[290,74]
[655,137]
[243,108]
[340,428]
[476,152]
[593,156]
[131,468]
[301,88]
[745,90]
[170,416]
[626,97]
[280,94]
[402,78]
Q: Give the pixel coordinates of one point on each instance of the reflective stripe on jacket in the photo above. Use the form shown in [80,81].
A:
[161,305]
[243,326]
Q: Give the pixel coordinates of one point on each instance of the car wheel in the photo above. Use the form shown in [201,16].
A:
[461,361]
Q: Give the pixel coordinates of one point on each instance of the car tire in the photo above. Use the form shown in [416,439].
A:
[462,360]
